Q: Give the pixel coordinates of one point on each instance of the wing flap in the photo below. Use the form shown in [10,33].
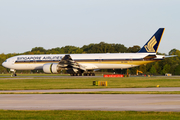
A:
[68,63]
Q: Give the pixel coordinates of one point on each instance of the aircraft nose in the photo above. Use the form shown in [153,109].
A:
[6,64]
[3,64]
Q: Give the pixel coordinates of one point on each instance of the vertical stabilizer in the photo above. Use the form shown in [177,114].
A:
[153,44]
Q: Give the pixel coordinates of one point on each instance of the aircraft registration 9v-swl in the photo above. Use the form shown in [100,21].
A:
[78,64]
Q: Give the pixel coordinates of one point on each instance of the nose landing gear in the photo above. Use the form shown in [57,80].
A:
[13,72]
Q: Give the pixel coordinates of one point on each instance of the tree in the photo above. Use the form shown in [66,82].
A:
[38,49]
[133,49]
[153,70]
[177,70]
[172,52]
[120,48]
[166,69]
[158,69]
[2,69]
[103,47]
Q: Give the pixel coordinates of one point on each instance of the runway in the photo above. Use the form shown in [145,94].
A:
[94,90]
[105,102]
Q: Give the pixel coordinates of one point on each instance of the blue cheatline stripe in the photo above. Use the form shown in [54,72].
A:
[85,60]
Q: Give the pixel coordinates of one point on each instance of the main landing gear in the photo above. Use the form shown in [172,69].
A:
[89,74]
[80,74]
[76,74]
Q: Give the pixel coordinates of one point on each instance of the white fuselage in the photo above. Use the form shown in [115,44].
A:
[88,61]
[78,63]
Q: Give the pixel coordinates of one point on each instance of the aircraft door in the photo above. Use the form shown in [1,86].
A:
[13,61]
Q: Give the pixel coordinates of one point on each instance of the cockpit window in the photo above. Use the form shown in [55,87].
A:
[5,61]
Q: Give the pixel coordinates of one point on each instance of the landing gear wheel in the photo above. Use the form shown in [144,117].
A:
[13,75]
[89,74]
[13,72]
[80,74]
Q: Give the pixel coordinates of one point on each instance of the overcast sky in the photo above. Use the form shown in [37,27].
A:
[25,24]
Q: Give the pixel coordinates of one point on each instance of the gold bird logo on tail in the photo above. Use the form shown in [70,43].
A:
[150,46]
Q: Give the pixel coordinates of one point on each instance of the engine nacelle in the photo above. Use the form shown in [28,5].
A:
[50,68]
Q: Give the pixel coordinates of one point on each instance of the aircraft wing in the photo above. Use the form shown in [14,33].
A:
[68,63]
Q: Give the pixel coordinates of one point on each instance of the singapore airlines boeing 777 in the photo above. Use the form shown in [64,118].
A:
[78,64]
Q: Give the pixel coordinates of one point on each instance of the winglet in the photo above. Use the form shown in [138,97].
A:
[153,44]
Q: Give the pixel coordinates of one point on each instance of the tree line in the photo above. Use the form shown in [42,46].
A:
[169,65]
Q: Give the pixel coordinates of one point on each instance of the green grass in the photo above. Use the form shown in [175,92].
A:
[90,115]
[29,83]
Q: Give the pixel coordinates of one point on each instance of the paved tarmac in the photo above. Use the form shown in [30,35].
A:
[96,90]
[104,102]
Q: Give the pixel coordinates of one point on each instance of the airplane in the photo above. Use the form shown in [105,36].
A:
[79,64]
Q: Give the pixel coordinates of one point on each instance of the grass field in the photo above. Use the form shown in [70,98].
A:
[90,115]
[32,83]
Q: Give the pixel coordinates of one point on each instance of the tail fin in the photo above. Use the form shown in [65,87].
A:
[152,45]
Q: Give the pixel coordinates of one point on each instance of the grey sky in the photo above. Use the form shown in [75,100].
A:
[25,24]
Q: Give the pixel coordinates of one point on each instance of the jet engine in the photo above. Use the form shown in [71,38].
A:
[50,68]
[56,67]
